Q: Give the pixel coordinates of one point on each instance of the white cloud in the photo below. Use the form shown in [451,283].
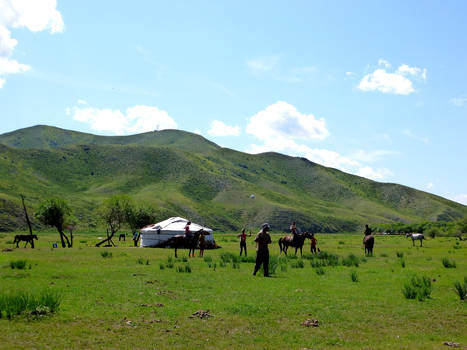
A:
[262,64]
[371,156]
[350,74]
[281,120]
[197,131]
[461,198]
[429,185]
[219,128]
[136,119]
[35,15]
[413,136]
[398,82]
[374,174]
[458,101]
[384,63]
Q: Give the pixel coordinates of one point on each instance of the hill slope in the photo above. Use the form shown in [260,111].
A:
[180,173]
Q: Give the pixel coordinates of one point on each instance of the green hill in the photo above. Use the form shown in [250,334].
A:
[180,173]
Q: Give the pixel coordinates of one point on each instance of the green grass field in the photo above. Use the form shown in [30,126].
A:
[134,299]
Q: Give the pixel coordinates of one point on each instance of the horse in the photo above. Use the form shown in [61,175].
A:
[181,241]
[369,242]
[26,238]
[122,235]
[297,242]
[416,237]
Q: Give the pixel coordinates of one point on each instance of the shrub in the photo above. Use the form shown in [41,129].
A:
[106,254]
[351,260]
[417,287]
[21,302]
[447,263]
[400,254]
[298,264]
[461,289]
[354,276]
[319,271]
[18,264]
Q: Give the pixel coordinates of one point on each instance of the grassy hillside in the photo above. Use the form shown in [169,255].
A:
[180,173]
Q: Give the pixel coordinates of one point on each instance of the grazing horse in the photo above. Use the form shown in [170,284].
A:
[369,242]
[416,237]
[181,241]
[26,238]
[122,236]
[287,241]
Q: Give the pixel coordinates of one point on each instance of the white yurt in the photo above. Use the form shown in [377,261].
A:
[156,234]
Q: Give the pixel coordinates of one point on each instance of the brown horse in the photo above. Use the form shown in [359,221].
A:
[369,242]
[181,241]
[27,238]
[297,242]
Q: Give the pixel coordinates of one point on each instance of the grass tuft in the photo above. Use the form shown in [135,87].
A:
[320,271]
[461,289]
[354,276]
[18,303]
[18,264]
[447,263]
[106,254]
[417,288]
[351,260]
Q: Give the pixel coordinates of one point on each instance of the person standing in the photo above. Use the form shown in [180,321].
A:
[243,241]
[293,230]
[313,243]
[262,240]
[368,230]
[202,244]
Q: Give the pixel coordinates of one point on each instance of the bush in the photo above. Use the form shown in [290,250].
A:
[21,302]
[354,276]
[18,264]
[319,271]
[417,287]
[400,254]
[298,264]
[447,263]
[106,254]
[461,289]
[351,260]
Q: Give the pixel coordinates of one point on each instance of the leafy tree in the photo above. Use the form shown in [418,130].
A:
[55,212]
[113,212]
[138,217]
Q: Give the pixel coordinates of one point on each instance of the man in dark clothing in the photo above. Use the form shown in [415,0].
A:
[367,230]
[262,240]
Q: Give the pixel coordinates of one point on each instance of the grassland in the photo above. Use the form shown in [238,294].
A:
[125,300]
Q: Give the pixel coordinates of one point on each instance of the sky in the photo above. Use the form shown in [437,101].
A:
[377,89]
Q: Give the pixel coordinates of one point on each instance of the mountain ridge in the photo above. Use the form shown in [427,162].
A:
[184,174]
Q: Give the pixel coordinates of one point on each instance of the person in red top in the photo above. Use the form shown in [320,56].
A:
[293,230]
[243,241]
[313,243]
[188,233]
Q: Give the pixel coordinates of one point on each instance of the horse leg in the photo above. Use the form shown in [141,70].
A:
[421,243]
[176,252]
[413,242]
[301,253]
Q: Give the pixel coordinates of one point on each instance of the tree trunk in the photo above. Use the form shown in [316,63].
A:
[108,239]
[27,220]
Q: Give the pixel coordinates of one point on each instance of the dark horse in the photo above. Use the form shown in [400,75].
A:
[287,241]
[181,241]
[369,242]
[25,238]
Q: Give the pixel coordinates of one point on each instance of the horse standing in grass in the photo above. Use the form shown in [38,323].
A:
[369,242]
[25,238]
[181,241]
[297,242]
[416,237]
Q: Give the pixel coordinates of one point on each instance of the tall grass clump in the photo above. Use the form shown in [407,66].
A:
[298,264]
[447,263]
[351,260]
[354,276]
[403,263]
[184,269]
[106,254]
[400,254]
[18,264]
[461,289]
[207,259]
[170,263]
[17,303]
[320,271]
[228,257]
[418,287]
[328,259]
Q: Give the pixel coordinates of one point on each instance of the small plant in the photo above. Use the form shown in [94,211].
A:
[106,254]
[161,266]
[384,255]
[235,265]
[354,276]
[298,264]
[417,288]
[185,259]
[83,241]
[140,261]
[457,246]
[320,271]
[461,289]
[170,263]
[341,242]
[447,263]
[248,259]
[18,264]
[403,263]
[400,254]
[184,269]
[351,260]
[207,259]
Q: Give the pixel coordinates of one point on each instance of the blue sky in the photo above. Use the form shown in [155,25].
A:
[375,89]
